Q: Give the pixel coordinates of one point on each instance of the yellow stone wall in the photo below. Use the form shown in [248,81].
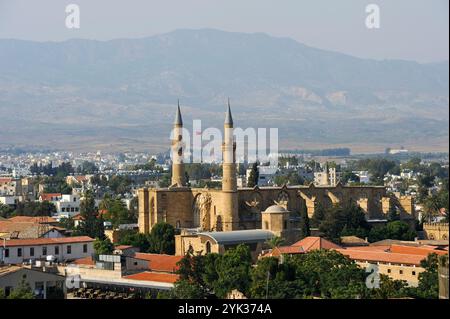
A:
[409,273]
[436,231]
[175,205]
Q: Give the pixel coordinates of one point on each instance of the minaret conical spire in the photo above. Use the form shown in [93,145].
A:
[228,117]
[178,119]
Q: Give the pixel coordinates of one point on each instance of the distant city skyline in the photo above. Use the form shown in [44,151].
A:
[410,30]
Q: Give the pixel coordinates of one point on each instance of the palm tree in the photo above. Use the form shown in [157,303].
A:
[431,207]
[275,242]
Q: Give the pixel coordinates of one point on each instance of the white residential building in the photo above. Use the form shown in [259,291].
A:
[68,205]
[18,251]
[364,176]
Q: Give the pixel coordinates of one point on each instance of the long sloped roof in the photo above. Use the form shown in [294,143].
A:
[239,236]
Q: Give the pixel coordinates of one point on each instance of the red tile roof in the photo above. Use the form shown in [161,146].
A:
[84,261]
[422,251]
[151,276]
[5,179]
[370,248]
[48,241]
[159,262]
[32,219]
[49,196]
[288,250]
[311,243]
[379,256]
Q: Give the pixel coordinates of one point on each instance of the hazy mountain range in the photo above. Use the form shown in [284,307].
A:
[121,94]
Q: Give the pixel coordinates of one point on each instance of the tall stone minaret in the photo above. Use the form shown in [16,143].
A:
[229,184]
[178,176]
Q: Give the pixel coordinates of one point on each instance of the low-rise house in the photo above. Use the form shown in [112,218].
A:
[10,200]
[396,259]
[29,230]
[50,197]
[17,251]
[125,250]
[68,205]
[10,186]
[44,284]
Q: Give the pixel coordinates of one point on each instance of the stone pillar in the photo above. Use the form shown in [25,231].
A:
[144,220]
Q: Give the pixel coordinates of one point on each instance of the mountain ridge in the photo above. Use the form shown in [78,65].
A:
[134,82]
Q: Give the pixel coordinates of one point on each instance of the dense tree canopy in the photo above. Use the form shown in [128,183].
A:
[103,247]
[92,224]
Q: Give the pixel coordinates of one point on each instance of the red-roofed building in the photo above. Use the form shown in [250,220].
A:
[160,262]
[283,250]
[34,219]
[50,197]
[87,261]
[17,251]
[10,186]
[312,243]
[154,276]
[401,262]
[421,251]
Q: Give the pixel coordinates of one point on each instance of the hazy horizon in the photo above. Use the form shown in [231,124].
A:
[409,30]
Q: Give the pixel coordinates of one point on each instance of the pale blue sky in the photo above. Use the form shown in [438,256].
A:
[410,29]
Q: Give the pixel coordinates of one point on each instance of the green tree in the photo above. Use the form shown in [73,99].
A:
[184,289]
[44,208]
[116,211]
[67,223]
[92,224]
[275,242]
[275,280]
[428,287]
[5,211]
[103,247]
[329,274]
[164,181]
[253,176]
[304,223]
[239,261]
[390,288]
[135,239]
[191,270]
[344,221]
[396,229]
[22,291]
[162,239]
[318,216]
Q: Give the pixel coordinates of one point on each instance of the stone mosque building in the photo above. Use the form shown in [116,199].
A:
[214,219]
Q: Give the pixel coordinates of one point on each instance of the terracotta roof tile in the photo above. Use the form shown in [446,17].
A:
[159,262]
[48,241]
[311,243]
[379,256]
[32,219]
[152,276]
[84,261]
[49,196]
[422,251]
[289,250]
